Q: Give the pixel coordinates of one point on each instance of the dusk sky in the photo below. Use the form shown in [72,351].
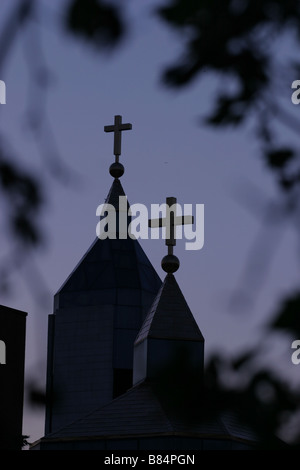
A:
[167,153]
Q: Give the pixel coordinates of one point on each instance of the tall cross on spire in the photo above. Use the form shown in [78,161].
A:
[117,129]
[170,263]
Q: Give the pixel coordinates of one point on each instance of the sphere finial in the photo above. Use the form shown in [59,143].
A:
[170,264]
[116,170]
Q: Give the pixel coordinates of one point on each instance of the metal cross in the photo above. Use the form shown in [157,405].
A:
[117,128]
[170,222]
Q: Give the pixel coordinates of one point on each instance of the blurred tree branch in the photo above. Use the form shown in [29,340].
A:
[236,39]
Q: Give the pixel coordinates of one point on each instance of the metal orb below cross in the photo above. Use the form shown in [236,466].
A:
[170,263]
[116,169]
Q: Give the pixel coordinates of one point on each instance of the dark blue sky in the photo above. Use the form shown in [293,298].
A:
[167,153]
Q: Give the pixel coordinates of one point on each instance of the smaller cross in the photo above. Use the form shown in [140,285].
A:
[117,128]
[170,222]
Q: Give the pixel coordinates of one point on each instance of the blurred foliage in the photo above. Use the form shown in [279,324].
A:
[24,199]
[261,405]
[257,406]
[98,22]
[287,319]
[20,190]
[237,41]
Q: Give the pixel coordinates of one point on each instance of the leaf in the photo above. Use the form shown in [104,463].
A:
[287,183]
[25,10]
[96,21]
[229,111]
[243,359]
[288,317]
[279,158]
[21,188]
[25,229]
[7,175]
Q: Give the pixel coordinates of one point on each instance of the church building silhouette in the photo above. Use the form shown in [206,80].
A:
[125,355]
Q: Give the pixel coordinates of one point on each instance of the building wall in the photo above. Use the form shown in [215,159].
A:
[12,337]
[80,357]
[154,356]
[97,315]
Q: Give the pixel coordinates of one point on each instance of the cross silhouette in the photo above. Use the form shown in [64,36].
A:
[170,222]
[117,129]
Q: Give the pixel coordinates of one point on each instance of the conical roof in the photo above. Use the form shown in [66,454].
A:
[107,266]
[115,192]
[170,316]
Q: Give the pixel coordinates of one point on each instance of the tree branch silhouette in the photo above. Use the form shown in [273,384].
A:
[229,38]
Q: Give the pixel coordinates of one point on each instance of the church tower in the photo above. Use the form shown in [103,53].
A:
[169,334]
[97,315]
[166,408]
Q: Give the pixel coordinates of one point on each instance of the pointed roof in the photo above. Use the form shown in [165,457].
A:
[115,192]
[107,265]
[170,316]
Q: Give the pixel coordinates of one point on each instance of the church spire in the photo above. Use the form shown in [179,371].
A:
[116,169]
[97,315]
[169,329]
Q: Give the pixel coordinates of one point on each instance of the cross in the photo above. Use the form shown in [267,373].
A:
[117,128]
[170,222]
